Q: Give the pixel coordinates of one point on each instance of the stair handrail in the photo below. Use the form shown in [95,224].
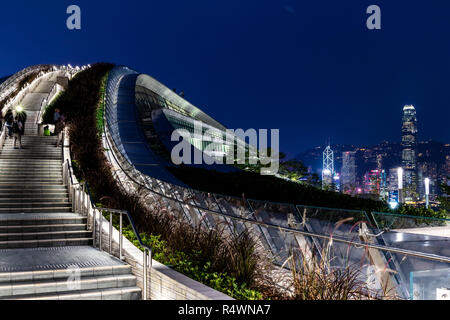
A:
[80,193]
[70,73]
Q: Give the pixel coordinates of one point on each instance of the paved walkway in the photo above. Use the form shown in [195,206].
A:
[56,258]
[429,231]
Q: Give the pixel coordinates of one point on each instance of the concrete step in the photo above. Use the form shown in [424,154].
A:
[6,189]
[35,210]
[30,205]
[36,138]
[62,274]
[27,288]
[35,200]
[26,172]
[51,235]
[126,293]
[7,182]
[31,179]
[36,204]
[32,164]
[37,189]
[38,219]
[28,149]
[31,175]
[23,170]
[28,184]
[43,163]
[45,243]
[9,143]
[40,163]
[42,228]
[25,153]
[37,195]
[31,156]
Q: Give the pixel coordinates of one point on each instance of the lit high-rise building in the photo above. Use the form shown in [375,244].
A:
[409,153]
[375,183]
[328,168]
[348,174]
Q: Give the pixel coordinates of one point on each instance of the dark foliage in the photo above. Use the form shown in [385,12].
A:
[254,186]
[269,188]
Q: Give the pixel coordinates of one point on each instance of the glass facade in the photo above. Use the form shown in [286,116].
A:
[409,153]
[212,138]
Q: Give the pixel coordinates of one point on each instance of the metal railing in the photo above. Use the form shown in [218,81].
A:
[3,135]
[46,101]
[7,87]
[82,203]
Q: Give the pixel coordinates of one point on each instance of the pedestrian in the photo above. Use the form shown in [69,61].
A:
[59,129]
[17,128]
[23,119]
[56,115]
[9,119]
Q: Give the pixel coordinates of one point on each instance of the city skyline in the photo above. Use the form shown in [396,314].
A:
[360,170]
[301,67]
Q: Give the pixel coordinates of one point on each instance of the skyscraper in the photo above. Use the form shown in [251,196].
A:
[409,153]
[348,174]
[328,168]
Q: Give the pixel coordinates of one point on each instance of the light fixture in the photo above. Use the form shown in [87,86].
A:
[19,109]
[393,205]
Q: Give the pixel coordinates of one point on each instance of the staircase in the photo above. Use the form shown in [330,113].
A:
[46,250]
[31,178]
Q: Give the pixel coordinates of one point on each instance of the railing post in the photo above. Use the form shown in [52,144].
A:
[64,168]
[121,237]
[110,231]
[83,203]
[94,226]
[145,275]
[78,200]
[100,231]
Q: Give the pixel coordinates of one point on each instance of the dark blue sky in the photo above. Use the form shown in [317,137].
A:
[310,68]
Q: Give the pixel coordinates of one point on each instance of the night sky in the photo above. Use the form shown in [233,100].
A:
[309,68]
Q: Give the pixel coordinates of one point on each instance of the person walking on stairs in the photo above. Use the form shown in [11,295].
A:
[9,119]
[17,129]
[23,119]
[59,129]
